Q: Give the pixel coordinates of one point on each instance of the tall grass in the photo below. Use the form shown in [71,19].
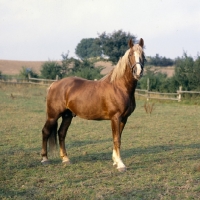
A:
[161,152]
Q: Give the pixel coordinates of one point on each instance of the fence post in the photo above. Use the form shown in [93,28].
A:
[29,76]
[147,89]
[179,93]
[56,77]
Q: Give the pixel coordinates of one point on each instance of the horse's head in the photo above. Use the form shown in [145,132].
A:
[136,58]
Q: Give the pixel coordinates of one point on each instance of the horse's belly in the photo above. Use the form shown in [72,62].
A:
[89,110]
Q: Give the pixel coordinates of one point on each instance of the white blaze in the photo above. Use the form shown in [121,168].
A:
[137,60]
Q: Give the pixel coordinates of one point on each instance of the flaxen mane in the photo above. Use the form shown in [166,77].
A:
[120,68]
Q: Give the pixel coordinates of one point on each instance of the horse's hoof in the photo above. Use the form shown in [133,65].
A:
[122,169]
[66,162]
[45,162]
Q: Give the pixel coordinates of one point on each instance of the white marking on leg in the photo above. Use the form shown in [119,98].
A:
[117,160]
[121,165]
[114,157]
[44,159]
[65,159]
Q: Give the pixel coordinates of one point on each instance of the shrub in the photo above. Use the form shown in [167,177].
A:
[50,70]
[25,71]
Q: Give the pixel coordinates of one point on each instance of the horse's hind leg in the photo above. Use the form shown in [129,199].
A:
[49,126]
[66,121]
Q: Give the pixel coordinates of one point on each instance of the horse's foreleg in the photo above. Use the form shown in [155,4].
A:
[117,127]
[66,121]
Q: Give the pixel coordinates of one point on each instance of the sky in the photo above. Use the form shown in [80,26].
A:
[41,30]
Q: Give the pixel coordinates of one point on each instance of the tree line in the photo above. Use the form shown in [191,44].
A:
[186,74]
[110,47]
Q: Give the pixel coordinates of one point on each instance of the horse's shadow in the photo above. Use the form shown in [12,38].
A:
[78,143]
[128,153]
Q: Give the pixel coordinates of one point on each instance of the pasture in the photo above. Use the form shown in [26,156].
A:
[161,152]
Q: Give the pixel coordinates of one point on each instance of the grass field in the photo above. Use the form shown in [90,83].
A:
[161,152]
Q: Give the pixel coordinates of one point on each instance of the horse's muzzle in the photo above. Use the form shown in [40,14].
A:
[135,75]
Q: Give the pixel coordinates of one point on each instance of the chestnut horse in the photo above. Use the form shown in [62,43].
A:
[110,98]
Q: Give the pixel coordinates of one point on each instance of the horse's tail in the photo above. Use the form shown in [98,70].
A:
[52,140]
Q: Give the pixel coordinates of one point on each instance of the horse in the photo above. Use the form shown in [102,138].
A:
[110,98]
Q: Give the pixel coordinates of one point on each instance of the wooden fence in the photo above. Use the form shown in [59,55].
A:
[41,81]
[30,80]
[143,93]
[164,96]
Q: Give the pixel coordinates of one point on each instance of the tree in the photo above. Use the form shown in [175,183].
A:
[85,69]
[160,61]
[67,64]
[51,69]
[187,72]
[195,81]
[114,44]
[187,75]
[82,68]
[157,81]
[88,48]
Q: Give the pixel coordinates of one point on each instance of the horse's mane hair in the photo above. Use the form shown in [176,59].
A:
[120,68]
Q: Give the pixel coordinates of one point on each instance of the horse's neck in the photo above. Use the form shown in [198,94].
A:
[128,85]
[129,82]
[126,81]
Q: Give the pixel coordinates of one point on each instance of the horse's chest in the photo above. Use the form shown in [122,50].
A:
[130,107]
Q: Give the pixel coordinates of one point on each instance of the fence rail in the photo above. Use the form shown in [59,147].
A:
[164,96]
[157,95]
[40,80]
[190,92]
[29,80]
[143,93]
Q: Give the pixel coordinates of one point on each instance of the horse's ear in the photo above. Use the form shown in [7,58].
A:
[130,43]
[141,42]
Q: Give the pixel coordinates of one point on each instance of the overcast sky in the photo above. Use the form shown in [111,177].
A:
[44,29]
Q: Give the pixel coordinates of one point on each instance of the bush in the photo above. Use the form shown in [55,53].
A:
[50,70]
[25,71]
[158,82]
[187,72]
[85,69]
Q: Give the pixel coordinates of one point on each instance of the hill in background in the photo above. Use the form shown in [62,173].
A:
[13,67]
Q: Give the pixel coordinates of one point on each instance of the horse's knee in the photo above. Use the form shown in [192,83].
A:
[61,136]
[48,127]
[45,132]
[117,142]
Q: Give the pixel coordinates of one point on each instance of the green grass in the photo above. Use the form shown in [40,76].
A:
[161,152]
